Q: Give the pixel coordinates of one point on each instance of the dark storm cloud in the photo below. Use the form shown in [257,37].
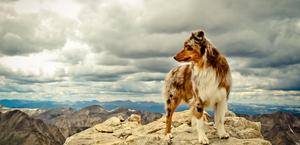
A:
[98,77]
[25,33]
[101,73]
[106,58]
[282,78]
[255,29]
[15,88]
[18,77]
[217,15]
[263,30]
[115,29]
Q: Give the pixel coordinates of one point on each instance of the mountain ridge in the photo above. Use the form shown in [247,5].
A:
[250,109]
[17,128]
[285,127]
[72,121]
[280,128]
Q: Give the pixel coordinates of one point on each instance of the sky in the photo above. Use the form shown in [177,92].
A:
[108,50]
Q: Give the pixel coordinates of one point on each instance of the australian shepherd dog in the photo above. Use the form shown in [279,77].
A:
[204,82]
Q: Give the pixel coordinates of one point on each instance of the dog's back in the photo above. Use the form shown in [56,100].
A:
[177,85]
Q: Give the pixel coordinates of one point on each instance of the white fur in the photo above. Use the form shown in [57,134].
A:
[201,129]
[206,81]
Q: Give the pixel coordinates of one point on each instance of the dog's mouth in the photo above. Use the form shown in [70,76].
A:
[186,59]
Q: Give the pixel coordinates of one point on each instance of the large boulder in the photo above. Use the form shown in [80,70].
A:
[130,131]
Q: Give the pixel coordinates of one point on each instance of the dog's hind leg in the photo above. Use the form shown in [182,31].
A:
[172,103]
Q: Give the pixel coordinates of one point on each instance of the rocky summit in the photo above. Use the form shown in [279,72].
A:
[116,131]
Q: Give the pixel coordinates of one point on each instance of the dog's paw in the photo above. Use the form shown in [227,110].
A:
[168,136]
[223,135]
[209,123]
[203,139]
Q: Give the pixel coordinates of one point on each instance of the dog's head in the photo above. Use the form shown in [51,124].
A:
[193,49]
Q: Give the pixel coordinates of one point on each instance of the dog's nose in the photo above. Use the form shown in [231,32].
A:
[174,57]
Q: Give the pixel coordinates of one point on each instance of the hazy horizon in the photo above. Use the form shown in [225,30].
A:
[122,49]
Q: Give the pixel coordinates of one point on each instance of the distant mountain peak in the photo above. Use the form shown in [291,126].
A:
[18,128]
[92,109]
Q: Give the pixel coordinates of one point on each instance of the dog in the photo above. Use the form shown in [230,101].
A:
[204,82]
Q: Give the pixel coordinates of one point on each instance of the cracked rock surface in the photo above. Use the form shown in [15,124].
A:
[116,131]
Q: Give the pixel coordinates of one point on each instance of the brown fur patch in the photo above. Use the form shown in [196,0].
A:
[170,110]
[195,113]
[168,101]
[219,63]
[206,103]
[188,83]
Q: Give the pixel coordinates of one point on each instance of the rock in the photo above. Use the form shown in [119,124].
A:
[135,118]
[103,129]
[230,114]
[131,132]
[114,121]
[121,118]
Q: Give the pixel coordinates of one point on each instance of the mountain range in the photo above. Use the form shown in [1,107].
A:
[239,108]
[53,126]
[71,121]
[280,128]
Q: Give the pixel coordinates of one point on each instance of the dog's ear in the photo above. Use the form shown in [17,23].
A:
[202,49]
[200,34]
[194,36]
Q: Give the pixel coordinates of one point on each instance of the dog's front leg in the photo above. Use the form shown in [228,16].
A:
[221,109]
[199,117]
[201,131]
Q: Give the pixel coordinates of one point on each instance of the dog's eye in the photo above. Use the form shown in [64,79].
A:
[189,48]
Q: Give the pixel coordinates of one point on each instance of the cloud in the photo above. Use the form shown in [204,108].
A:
[18,89]
[25,33]
[8,1]
[163,65]
[145,76]
[123,49]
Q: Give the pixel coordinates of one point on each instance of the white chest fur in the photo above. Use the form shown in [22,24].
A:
[206,82]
